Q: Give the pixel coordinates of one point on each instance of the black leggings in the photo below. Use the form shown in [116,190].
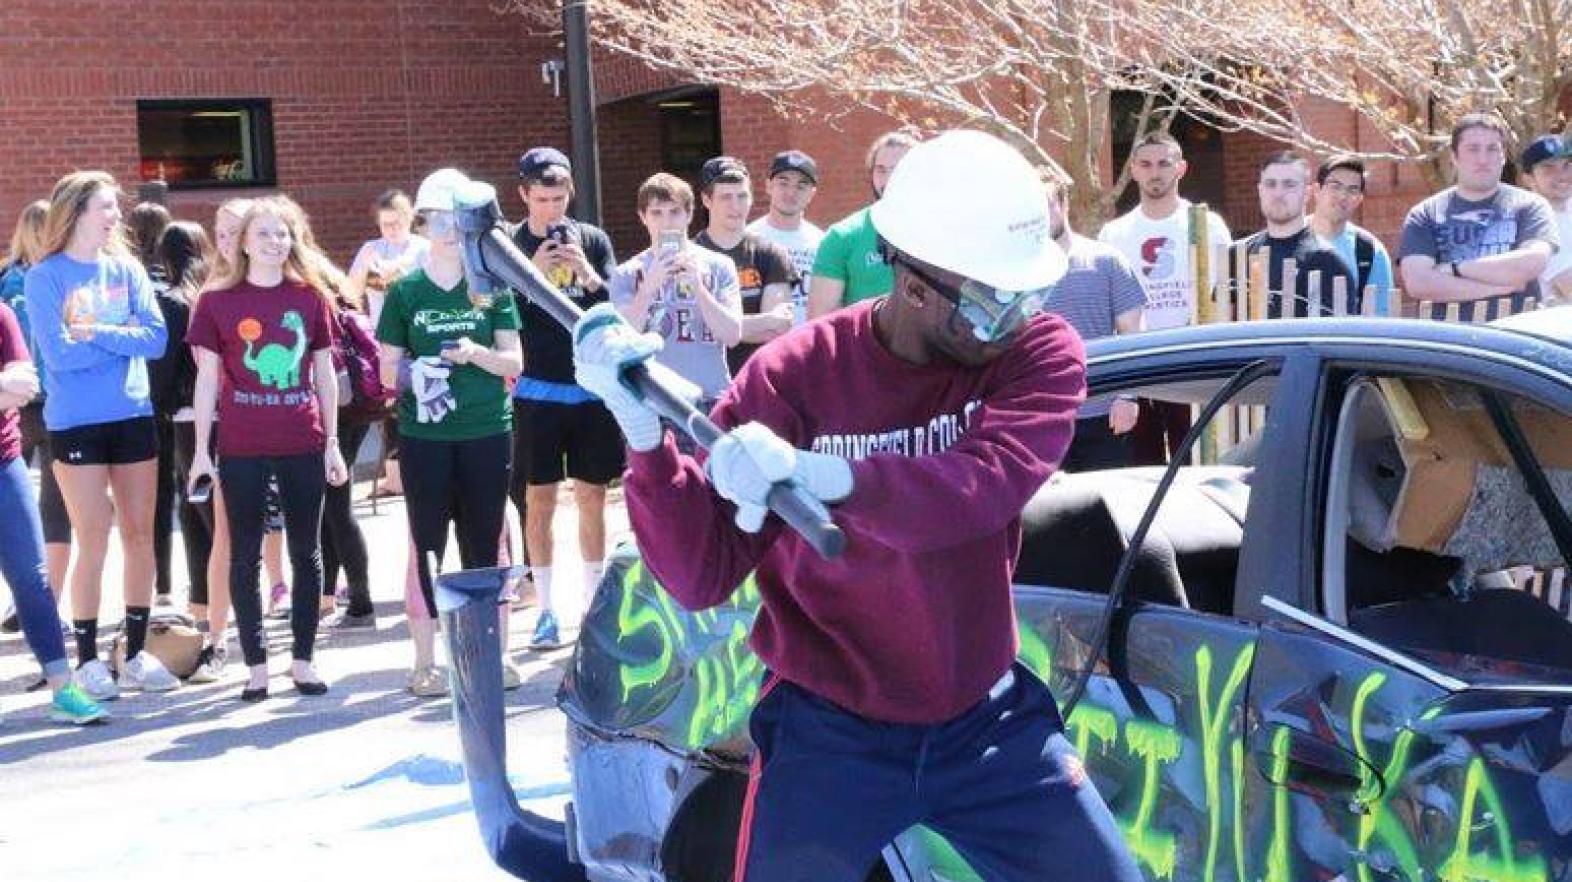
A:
[343,545]
[518,483]
[176,442]
[196,521]
[301,480]
[51,504]
[464,483]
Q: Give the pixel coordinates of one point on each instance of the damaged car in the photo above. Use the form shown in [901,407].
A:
[1329,640]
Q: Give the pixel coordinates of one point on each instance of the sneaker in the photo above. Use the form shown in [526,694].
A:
[147,673]
[210,665]
[344,620]
[546,635]
[97,682]
[72,705]
[12,623]
[278,602]
[511,678]
[431,682]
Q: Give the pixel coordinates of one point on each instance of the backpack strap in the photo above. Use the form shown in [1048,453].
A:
[1364,258]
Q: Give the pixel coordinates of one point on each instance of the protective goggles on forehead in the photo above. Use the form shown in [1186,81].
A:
[993,314]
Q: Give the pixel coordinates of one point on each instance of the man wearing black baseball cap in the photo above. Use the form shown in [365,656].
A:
[765,275]
[793,181]
[1547,170]
[559,430]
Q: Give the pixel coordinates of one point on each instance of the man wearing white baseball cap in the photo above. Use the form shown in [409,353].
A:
[927,418]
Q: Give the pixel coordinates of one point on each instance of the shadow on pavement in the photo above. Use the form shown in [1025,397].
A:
[214,721]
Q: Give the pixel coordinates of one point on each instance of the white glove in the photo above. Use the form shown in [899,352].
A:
[428,379]
[750,459]
[604,346]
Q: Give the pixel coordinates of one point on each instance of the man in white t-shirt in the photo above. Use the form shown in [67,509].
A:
[1547,170]
[793,181]
[1155,238]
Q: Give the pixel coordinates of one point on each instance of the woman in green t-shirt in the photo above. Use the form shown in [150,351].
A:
[455,421]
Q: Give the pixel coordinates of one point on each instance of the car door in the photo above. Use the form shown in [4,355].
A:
[1332,728]
[1369,762]
[1161,724]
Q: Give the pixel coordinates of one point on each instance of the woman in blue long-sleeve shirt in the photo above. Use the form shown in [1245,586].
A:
[96,323]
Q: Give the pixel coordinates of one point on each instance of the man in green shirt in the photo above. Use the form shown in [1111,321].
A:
[849,267]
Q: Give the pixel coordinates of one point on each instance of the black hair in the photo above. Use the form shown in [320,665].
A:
[184,251]
[1340,162]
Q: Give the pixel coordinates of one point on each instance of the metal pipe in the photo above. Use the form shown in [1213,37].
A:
[523,843]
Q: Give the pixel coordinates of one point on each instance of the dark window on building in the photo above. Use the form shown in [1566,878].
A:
[202,143]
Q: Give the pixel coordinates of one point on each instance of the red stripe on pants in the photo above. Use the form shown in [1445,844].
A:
[755,771]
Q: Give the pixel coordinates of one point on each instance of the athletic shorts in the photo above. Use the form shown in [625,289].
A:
[118,443]
[553,441]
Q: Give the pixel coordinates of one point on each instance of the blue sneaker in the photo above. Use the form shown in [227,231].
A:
[546,633]
[72,705]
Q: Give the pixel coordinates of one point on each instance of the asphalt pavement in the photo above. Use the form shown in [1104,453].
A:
[363,783]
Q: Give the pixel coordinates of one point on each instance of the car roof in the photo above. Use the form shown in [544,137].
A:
[1546,340]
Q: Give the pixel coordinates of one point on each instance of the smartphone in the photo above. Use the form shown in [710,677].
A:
[201,493]
[671,241]
[557,232]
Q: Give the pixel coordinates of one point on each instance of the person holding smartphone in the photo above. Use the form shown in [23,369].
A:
[687,295]
[455,422]
[560,431]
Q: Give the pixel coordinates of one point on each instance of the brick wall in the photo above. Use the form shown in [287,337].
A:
[630,149]
[364,96]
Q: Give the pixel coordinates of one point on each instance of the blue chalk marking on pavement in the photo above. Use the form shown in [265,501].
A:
[418,769]
[543,791]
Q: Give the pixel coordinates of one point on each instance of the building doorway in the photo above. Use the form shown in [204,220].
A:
[674,131]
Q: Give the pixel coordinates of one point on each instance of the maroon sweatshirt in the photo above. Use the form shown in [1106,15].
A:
[914,622]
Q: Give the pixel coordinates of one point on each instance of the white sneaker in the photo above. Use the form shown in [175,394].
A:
[210,666]
[97,682]
[147,673]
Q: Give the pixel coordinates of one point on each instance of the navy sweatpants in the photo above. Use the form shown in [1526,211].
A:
[830,789]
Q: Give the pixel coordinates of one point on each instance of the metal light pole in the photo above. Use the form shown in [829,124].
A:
[585,151]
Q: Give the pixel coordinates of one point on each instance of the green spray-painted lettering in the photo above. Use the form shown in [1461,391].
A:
[1464,864]
[632,618]
[1089,721]
[1278,867]
[1378,823]
[1157,745]
[1215,716]
[725,682]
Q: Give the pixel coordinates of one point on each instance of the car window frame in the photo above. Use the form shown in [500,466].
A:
[1284,440]
[1342,363]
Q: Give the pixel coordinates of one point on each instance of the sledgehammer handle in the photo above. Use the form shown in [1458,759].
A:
[489,255]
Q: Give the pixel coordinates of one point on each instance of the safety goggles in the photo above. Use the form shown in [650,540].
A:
[439,223]
[993,314]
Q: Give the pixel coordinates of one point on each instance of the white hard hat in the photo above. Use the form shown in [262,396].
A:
[436,191]
[969,203]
